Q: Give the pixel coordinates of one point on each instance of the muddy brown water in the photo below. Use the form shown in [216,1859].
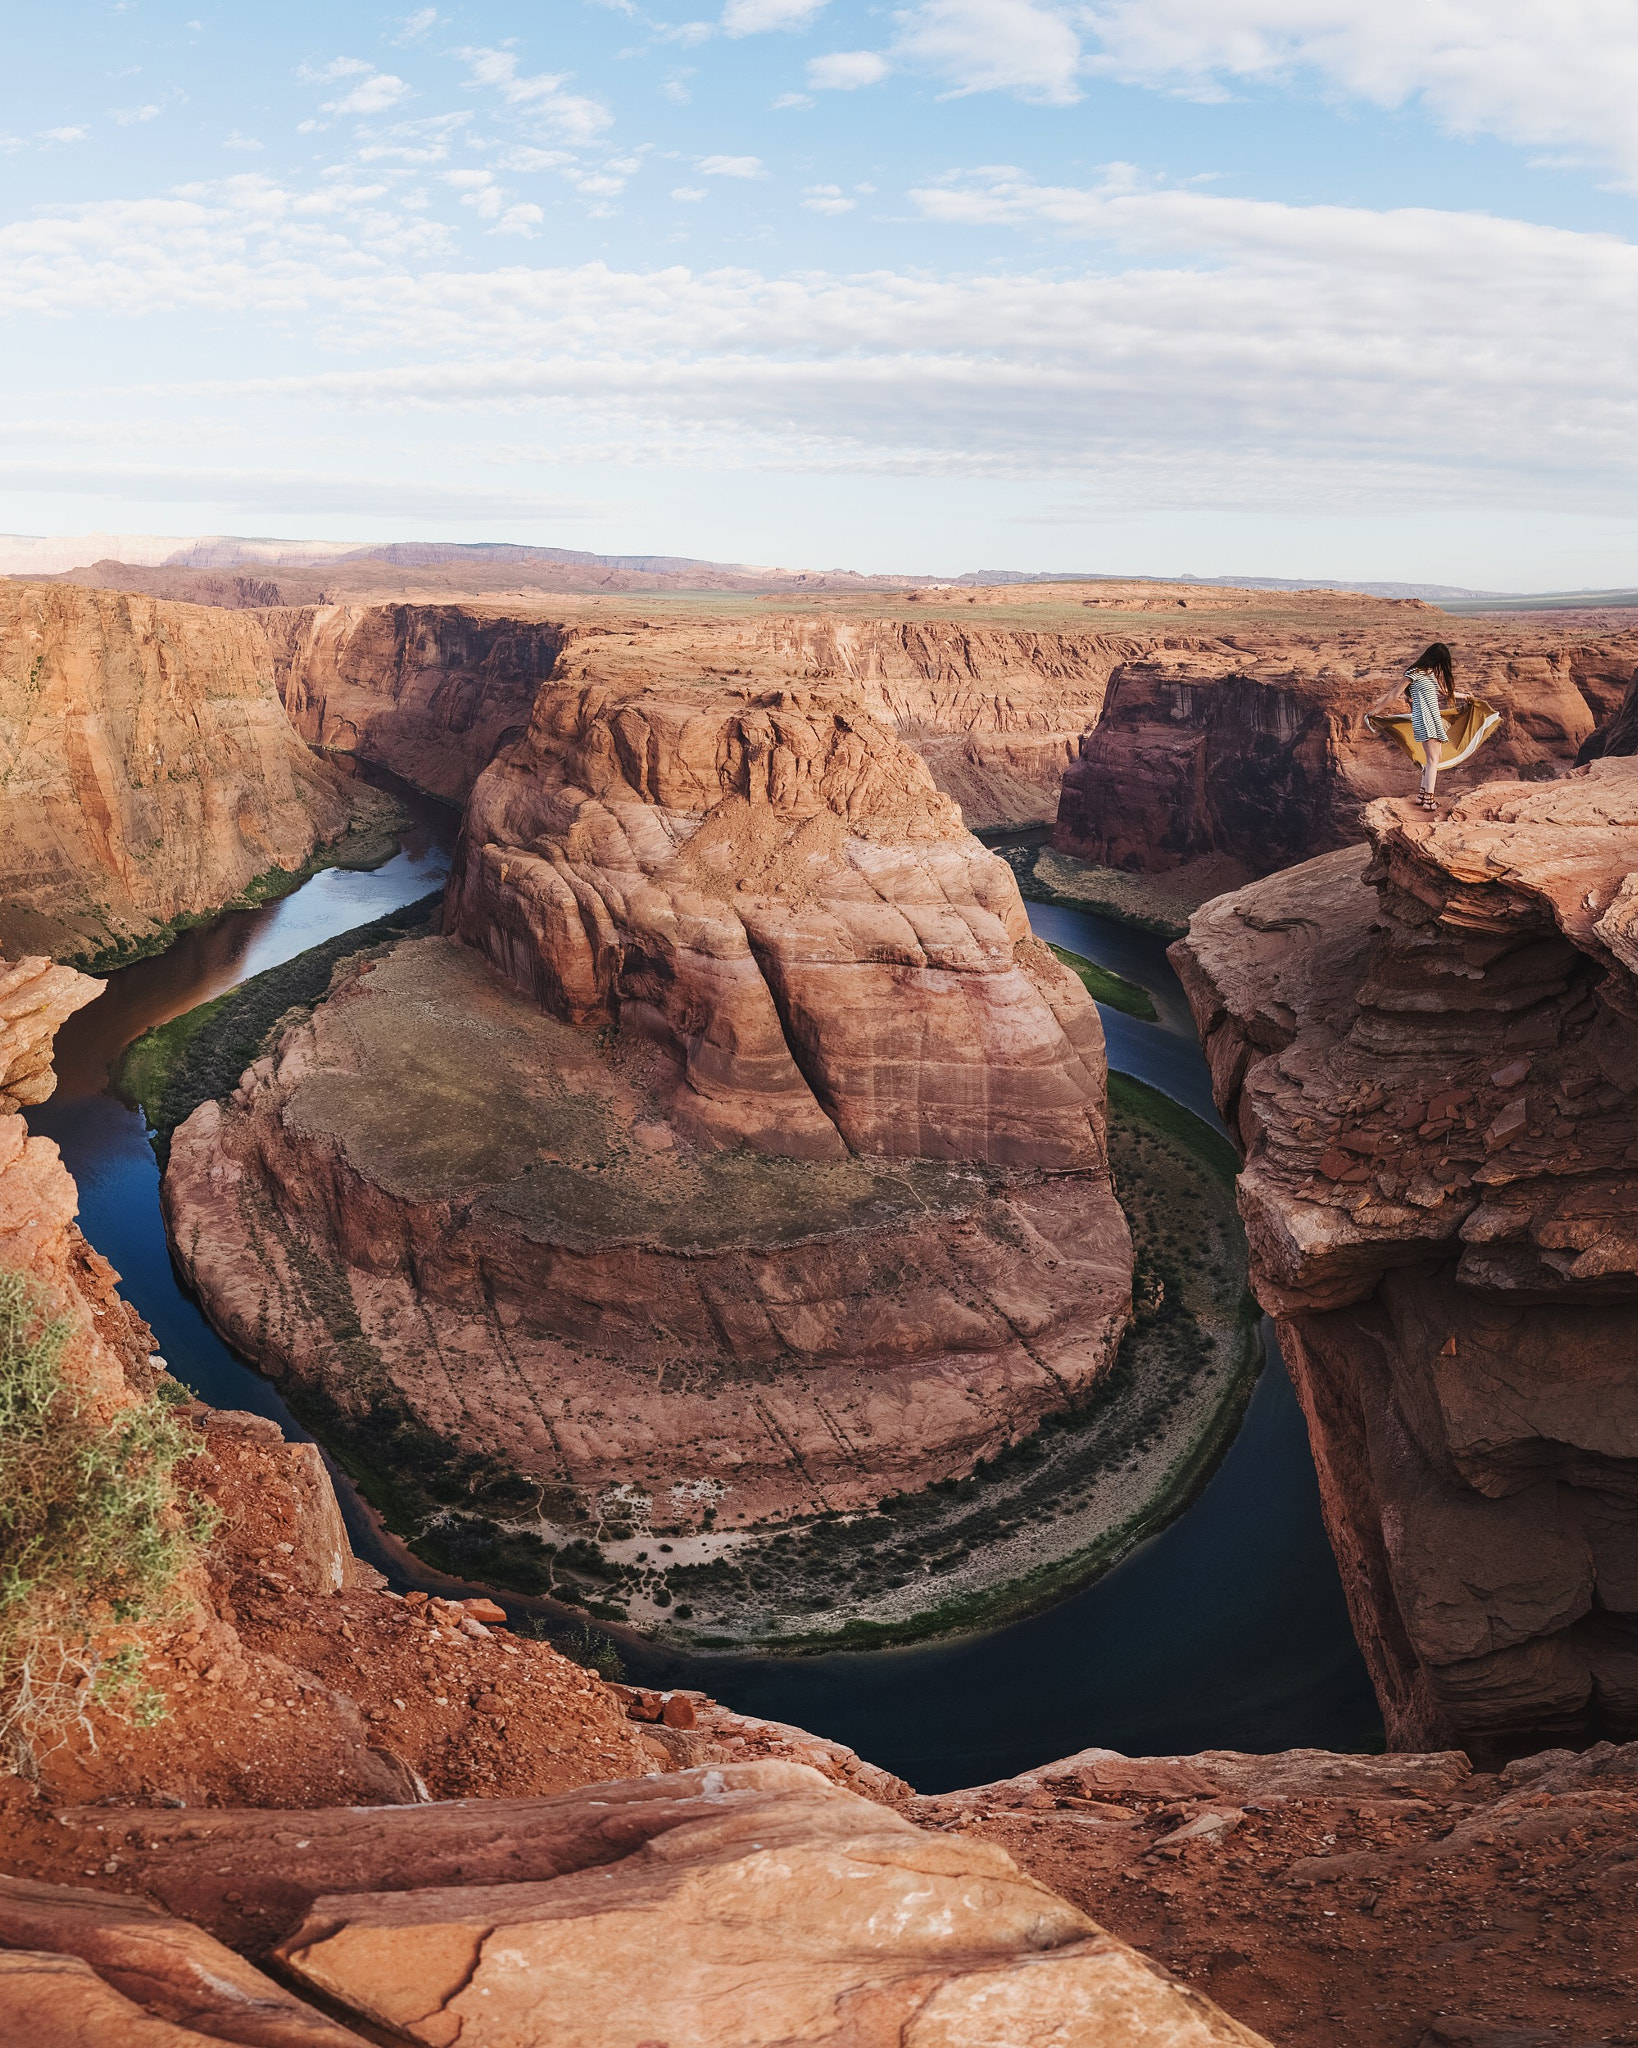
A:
[1227,1630]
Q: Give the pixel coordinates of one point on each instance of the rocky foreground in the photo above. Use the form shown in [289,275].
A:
[365,1817]
[1429,1048]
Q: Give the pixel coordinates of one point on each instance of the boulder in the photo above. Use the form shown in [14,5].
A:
[166,1967]
[801,1913]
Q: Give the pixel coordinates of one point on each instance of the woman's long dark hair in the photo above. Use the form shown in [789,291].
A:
[1437,659]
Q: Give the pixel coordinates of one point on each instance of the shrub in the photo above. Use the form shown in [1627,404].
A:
[95,1535]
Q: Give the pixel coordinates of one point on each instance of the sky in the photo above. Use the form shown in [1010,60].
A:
[1272,287]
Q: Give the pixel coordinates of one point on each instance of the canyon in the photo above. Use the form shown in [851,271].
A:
[1232,734]
[734,1153]
[355,1804]
[1427,1046]
[733,1157]
[148,771]
[1255,749]
[334,1818]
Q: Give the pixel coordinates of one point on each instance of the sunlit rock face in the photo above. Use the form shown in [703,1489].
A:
[1256,747]
[147,767]
[770,885]
[736,1142]
[1429,1048]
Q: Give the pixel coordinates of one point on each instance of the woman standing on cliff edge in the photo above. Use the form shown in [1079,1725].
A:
[1422,732]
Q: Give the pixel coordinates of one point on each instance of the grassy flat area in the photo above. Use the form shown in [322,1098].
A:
[196,1057]
[1104,985]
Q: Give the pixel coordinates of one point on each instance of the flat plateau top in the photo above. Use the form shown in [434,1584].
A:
[442,1083]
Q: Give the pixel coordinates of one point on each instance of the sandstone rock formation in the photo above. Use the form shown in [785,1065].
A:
[772,889]
[38,1199]
[428,691]
[748,1905]
[1375,1899]
[825,1216]
[1619,736]
[431,691]
[1255,746]
[330,1687]
[1430,1051]
[1399,1901]
[147,767]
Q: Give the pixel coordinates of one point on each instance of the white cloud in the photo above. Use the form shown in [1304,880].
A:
[128,117]
[372,95]
[521,219]
[732,167]
[572,116]
[793,101]
[757,17]
[1015,46]
[690,195]
[826,199]
[1187,350]
[843,70]
[338,67]
[238,141]
[62,135]
[293,490]
[417,24]
[1556,73]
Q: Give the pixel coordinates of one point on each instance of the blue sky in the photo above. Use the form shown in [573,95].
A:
[1286,287]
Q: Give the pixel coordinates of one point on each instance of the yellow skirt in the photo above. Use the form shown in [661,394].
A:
[1470,724]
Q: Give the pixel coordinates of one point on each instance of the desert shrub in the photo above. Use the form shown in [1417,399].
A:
[95,1535]
[585,1645]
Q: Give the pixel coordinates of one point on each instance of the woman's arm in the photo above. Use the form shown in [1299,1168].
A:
[1394,690]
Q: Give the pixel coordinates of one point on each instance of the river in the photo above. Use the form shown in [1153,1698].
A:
[1227,1630]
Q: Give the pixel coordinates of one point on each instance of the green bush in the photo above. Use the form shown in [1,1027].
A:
[95,1534]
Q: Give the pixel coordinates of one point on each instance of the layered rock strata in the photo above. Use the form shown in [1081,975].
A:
[1256,748]
[147,767]
[744,1907]
[431,691]
[428,691]
[1429,1048]
[1398,1901]
[38,1200]
[772,1177]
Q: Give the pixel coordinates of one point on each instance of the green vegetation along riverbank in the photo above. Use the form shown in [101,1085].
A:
[371,839]
[1104,985]
[1162,903]
[1041,1519]
[169,1071]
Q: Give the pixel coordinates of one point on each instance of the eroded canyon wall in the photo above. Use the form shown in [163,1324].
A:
[147,768]
[762,1169]
[431,691]
[427,691]
[1429,1048]
[1257,747]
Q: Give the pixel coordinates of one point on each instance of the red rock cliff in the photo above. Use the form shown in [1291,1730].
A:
[770,884]
[147,767]
[1429,1048]
[1256,746]
[771,1174]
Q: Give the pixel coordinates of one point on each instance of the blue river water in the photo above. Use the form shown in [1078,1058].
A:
[1226,1630]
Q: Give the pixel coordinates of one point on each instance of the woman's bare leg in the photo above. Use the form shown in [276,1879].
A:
[1430,771]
